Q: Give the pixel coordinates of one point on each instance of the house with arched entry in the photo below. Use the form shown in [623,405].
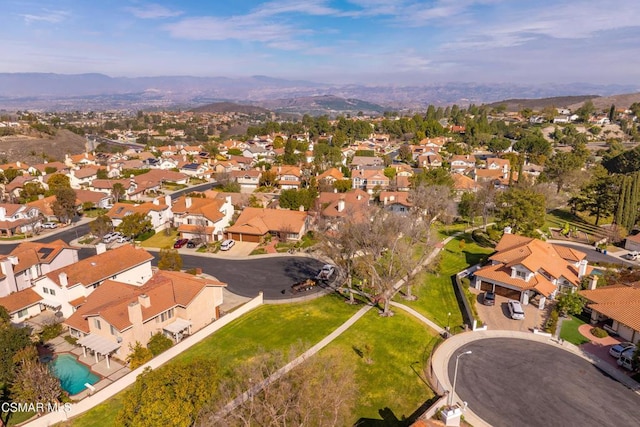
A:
[523,268]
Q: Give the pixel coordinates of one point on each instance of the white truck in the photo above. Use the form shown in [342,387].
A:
[326,272]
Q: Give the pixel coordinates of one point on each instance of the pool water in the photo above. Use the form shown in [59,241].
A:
[72,374]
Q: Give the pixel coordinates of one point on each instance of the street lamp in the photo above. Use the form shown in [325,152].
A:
[455,377]
[448,321]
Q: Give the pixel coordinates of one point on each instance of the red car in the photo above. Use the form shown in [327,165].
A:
[180,243]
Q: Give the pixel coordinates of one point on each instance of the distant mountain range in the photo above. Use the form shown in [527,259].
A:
[60,92]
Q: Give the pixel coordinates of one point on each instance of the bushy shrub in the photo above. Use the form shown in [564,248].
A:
[552,322]
[51,331]
[599,332]
[70,339]
[144,236]
[159,343]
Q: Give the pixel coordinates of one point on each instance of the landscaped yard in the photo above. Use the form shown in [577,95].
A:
[436,297]
[569,331]
[400,346]
[160,240]
[269,327]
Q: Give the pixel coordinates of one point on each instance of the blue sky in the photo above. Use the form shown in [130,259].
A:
[393,42]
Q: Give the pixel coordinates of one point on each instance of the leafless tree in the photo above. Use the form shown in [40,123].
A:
[35,383]
[432,202]
[486,199]
[321,391]
[200,230]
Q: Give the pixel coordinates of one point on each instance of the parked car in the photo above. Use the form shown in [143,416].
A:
[109,237]
[515,309]
[123,239]
[617,350]
[489,298]
[49,225]
[633,255]
[194,243]
[180,243]
[626,359]
[326,272]
[227,244]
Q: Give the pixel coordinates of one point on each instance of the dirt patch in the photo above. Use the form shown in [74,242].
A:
[32,150]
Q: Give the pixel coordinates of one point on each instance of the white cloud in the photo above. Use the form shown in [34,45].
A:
[153,11]
[49,16]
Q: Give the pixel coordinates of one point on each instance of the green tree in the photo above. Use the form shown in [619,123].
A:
[586,111]
[268,178]
[118,191]
[172,395]
[498,144]
[102,174]
[100,226]
[31,191]
[135,224]
[12,340]
[65,205]
[600,195]
[467,208]
[571,303]
[523,209]
[11,174]
[559,168]
[138,356]
[405,154]
[169,259]
[159,343]
[58,180]
[342,185]
[278,142]
[35,383]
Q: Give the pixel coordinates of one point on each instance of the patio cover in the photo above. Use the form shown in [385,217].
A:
[54,305]
[98,344]
[177,326]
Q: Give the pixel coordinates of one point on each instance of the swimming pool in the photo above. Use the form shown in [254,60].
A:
[72,374]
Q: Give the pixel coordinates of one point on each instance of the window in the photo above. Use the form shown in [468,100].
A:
[45,290]
[114,331]
[96,323]
[52,291]
[521,274]
[166,315]
[23,313]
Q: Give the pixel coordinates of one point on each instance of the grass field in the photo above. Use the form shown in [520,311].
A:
[160,240]
[269,327]
[569,331]
[392,383]
[436,297]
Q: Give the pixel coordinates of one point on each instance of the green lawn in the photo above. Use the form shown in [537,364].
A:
[160,240]
[436,297]
[17,417]
[268,327]
[569,331]
[400,347]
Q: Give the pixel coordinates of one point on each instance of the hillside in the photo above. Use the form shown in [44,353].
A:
[541,103]
[30,149]
[229,107]
[323,104]
[604,103]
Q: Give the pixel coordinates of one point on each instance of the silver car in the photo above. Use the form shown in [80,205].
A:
[515,309]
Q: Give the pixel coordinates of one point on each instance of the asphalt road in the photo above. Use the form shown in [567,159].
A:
[510,382]
[594,256]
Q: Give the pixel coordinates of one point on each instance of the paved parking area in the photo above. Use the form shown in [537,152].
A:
[497,317]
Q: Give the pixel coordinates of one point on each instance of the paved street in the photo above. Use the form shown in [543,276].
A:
[513,382]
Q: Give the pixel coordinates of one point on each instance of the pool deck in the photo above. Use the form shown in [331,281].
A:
[107,375]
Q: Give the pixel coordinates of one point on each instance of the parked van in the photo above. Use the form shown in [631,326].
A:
[626,359]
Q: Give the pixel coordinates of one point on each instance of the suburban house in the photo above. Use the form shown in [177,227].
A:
[288,177]
[369,179]
[353,203]
[618,306]
[430,161]
[462,163]
[67,287]
[359,162]
[22,305]
[396,201]
[632,242]
[13,189]
[82,177]
[159,213]
[30,260]
[201,217]
[330,176]
[523,267]
[254,224]
[80,159]
[16,218]
[117,314]
[249,180]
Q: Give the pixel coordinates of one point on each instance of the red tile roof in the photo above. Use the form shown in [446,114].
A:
[20,300]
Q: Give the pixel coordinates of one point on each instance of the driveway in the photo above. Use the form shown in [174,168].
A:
[512,382]
[497,317]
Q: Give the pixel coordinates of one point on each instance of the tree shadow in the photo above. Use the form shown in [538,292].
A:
[389,419]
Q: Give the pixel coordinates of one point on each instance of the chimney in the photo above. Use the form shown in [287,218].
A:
[167,200]
[156,201]
[301,208]
[64,279]
[134,309]
[384,202]
[18,164]
[359,196]
[340,205]
[593,282]
[187,202]
[507,230]
[101,248]
[582,268]
[227,199]
[13,259]
[144,300]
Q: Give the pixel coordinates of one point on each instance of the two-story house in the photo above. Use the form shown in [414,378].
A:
[117,314]
[249,180]
[289,177]
[69,286]
[523,267]
[16,218]
[201,217]
[369,179]
[159,213]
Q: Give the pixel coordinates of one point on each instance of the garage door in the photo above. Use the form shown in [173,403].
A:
[509,293]
[486,286]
